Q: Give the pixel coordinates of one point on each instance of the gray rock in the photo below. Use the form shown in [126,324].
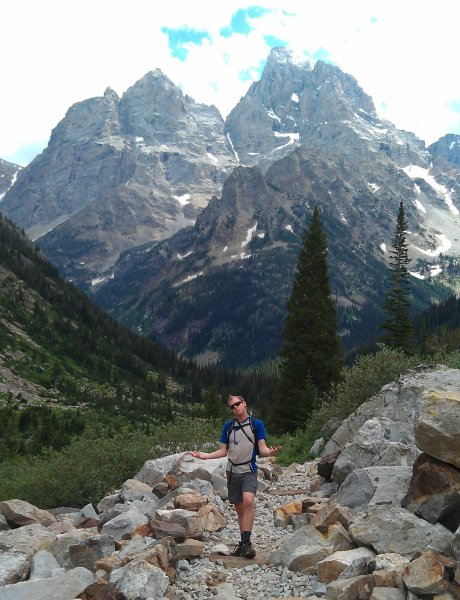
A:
[307,546]
[123,523]
[398,530]
[44,564]
[3,523]
[87,512]
[385,593]
[374,486]
[139,580]
[65,586]
[14,567]
[456,544]
[27,539]
[86,552]
[108,502]
[437,431]
[434,492]
[20,512]
[133,489]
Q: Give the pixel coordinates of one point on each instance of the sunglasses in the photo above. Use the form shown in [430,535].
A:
[233,406]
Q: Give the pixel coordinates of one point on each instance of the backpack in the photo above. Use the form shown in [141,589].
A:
[235,425]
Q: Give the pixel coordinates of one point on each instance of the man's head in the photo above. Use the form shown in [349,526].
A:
[237,404]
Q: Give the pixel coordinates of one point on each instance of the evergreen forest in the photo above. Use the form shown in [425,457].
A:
[82,395]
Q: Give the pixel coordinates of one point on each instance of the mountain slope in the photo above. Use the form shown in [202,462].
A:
[57,346]
[217,291]
[8,175]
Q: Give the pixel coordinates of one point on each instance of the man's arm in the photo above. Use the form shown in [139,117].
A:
[264,450]
[207,455]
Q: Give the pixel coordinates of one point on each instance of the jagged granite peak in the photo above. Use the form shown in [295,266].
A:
[446,150]
[153,155]
[321,108]
[156,110]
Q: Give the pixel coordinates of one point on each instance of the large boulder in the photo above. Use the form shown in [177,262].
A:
[20,512]
[14,567]
[28,539]
[379,441]
[307,546]
[398,530]
[184,467]
[437,430]
[430,573]
[65,586]
[374,486]
[401,402]
[434,492]
[344,564]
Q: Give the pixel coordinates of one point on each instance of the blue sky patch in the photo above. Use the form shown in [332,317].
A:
[252,73]
[240,20]
[454,105]
[179,40]
[273,41]
[322,54]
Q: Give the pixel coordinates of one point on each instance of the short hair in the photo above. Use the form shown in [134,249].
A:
[235,396]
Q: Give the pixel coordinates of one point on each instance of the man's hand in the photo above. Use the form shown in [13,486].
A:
[274,450]
[197,454]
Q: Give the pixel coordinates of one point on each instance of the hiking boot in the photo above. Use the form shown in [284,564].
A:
[237,551]
[247,550]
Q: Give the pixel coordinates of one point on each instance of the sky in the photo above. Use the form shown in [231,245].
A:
[403,53]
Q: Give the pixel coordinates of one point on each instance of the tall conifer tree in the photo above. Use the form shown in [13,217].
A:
[398,298]
[311,353]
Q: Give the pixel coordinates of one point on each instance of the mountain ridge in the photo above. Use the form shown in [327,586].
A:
[164,204]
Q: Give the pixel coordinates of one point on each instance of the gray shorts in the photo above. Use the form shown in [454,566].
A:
[237,483]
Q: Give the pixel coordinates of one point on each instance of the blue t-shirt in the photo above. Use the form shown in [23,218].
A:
[242,452]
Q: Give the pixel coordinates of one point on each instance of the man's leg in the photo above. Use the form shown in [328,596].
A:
[245,512]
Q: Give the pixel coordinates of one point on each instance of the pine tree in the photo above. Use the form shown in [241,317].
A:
[398,298]
[311,357]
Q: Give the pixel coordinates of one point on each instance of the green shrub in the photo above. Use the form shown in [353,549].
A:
[97,462]
[361,381]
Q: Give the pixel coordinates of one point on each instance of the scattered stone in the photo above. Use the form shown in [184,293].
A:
[65,586]
[436,431]
[344,564]
[20,512]
[139,580]
[431,573]
[434,492]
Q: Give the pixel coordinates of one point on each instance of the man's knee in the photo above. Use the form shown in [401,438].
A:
[248,500]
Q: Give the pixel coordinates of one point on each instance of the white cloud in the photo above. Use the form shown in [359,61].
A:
[403,55]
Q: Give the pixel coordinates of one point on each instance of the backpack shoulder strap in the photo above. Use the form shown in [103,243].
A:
[232,426]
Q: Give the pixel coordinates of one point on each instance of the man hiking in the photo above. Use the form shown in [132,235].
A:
[242,439]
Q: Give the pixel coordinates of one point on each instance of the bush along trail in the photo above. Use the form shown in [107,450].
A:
[375,516]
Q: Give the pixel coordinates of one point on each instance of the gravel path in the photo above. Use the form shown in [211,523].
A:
[230,578]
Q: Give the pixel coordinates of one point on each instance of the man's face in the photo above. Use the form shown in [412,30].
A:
[236,404]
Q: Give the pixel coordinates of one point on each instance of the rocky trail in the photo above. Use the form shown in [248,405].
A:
[219,576]
[375,517]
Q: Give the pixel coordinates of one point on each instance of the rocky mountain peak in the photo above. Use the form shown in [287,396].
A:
[281,54]
[446,150]
[111,94]
[321,108]
[88,120]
